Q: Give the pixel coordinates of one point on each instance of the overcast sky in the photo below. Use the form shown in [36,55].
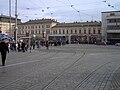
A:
[61,10]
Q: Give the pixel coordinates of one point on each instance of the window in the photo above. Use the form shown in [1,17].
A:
[39,31]
[18,27]
[71,31]
[84,31]
[67,32]
[99,31]
[75,31]
[28,27]
[63,31]
[113,27]
[32,31]
[89,31]
[36,31]
[112,14]
[80,31]
[36,26]
[54,32]
[32,27]
[47,31]
[93,31]
[59,31]
[42,26]
[47,26]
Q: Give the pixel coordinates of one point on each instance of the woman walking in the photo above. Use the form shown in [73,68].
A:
[3,49]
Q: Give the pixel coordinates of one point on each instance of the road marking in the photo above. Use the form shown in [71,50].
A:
[19,64]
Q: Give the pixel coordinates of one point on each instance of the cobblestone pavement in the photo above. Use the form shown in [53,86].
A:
[69,67]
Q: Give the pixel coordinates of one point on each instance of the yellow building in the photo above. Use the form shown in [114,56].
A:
[49,29]
[82,32]
[39,28]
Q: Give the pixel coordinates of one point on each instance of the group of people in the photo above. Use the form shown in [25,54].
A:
[21,46]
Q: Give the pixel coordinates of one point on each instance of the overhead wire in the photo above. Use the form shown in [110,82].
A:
[45,7]
[109,5]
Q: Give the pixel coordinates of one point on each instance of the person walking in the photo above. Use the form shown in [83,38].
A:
[3,49]
[47,45]
[23,46]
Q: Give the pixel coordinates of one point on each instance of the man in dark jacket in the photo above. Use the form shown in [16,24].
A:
[3,49]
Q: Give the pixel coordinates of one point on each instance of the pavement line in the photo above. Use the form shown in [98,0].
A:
[19,63]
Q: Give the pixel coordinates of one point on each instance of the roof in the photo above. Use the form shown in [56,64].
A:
[110,11]
[4,18]
[39,21]
[77,24]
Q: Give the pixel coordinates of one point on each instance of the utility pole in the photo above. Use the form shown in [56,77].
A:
[15,34]
[10,17]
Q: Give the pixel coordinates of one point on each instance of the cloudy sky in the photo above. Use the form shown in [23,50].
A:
[61,10]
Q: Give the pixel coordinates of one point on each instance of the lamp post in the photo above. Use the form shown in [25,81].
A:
[10,17]
[15,32]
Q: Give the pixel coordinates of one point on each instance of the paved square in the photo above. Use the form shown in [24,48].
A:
[69,67]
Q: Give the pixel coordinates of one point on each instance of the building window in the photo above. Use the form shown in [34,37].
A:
[36,31]
[59,31]
[39,31]
[80,31]
[28,27]
[42,26]
[89,31]
[113,27]
[54,32]
[93,30]
[36,26]
[75,31]
[71,31]
[25,27]
[99,31]
[84,31]
[63,31]
[32,31]
[47,26]
[48,31]
[39,26]
[67,32]
[32,27]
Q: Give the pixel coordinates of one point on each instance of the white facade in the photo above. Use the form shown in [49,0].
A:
[111,25]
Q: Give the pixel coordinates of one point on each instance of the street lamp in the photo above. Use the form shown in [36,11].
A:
[15,34]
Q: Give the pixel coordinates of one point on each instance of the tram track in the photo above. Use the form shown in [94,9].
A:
[93,72]
[55,53]
[53,80]
[26,74]
[62,72]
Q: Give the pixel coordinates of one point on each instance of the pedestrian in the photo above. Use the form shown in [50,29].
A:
[23,46]
[3,49]
[47,45]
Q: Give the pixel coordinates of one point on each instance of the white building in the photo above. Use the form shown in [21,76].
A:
[5,24]
[111,26]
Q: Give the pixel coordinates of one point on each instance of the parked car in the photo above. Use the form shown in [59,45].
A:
[117,44]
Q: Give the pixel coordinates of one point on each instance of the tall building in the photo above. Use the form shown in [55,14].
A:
[111,26]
